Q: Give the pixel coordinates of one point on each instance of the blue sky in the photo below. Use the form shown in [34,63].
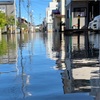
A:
[37,6]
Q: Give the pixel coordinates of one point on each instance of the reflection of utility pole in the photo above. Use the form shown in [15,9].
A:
[20,15]
[16,39]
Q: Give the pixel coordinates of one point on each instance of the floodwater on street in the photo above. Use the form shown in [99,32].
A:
[28,71]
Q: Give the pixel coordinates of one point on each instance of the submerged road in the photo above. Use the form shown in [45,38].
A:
[28,72]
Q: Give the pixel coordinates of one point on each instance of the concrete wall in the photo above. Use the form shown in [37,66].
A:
[68,2]
[82,19]
[52,6]
[56,24]
[7,9]
[70,19]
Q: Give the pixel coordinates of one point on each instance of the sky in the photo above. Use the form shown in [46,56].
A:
[37,8]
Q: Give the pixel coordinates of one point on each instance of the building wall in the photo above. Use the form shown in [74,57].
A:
[68,2]
[63,12]
[7,9]
[52,6]
[56,24]
[71,19]
[82,19]
[68,18]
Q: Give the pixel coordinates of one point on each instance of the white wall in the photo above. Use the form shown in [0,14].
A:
[52,6]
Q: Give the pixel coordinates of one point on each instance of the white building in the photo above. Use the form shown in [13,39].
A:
[59,16]
[52,6]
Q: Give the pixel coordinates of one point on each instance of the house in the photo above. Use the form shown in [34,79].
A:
[85,10]
[8,8]
[49,21]
[59,16]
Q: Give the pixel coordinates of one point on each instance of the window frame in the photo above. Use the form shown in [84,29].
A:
[79,10]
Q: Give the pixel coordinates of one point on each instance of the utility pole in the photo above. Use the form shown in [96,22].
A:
[15,14]
[31,19]
[20,16]
[28,6]
[40,18]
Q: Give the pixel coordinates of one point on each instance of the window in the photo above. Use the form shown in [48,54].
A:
[67,13]
[80,11]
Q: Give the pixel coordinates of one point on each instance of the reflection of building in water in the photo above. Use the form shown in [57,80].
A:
[95,87]
[50,45]
[56,42]
[76,45]
[0,37]
[95,84]
[67,80]
[75,42]
[78,80]
[80,70]
[8,50]
[94,39]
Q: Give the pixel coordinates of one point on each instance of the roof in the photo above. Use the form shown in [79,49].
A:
[6,2]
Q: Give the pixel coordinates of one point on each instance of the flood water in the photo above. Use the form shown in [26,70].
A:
[28,71]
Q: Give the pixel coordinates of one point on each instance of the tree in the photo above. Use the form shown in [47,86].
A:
[2,20]
[10,20]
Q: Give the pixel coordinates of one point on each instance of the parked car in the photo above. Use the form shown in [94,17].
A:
[90,25]
[95,23]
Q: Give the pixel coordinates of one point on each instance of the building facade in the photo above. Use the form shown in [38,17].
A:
[86,9]
[49,21]
[7,7]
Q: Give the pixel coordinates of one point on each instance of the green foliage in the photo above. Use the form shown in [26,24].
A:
[3,47]
[24,25]
[10,20]
[2,19]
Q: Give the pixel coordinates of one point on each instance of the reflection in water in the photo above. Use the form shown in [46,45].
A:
[35,76]
[8,52]
[81,74]
[24,77]
[51,49]
[0,37]
[12,59]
